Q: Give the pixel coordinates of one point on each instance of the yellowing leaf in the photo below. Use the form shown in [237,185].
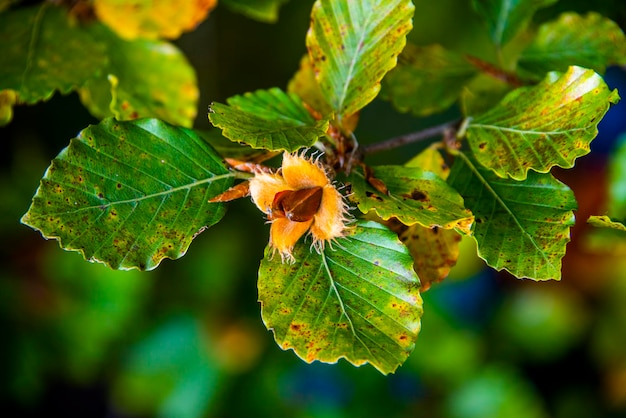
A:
[152,19]
[414,196]
[606,222]
[434,250]
[430,159]
[541,126]
[304,84]
[7,100]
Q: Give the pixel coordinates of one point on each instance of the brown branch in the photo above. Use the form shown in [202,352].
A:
[494,71]
[413,137]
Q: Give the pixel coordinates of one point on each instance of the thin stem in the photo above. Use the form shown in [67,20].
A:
[494,71]
[418,136]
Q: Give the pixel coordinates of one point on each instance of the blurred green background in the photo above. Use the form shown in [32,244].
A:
[186,340]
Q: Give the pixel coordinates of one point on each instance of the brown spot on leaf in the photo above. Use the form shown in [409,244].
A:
[416,195]
[373,196]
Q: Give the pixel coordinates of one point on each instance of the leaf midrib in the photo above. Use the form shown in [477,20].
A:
[147,196]
[522,131]
[501,202]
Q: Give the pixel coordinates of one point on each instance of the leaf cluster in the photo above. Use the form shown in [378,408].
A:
[130,192]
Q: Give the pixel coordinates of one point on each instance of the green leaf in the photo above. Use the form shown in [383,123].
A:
[305,85]
[606,222]
[359,301]
[521,226]
[231,149]
[132,85]
[414,196]
[129,194]
[353,44]
[261,10]
[539,127]
[505,18]
[483,93]
[427,79]
[590,41]
[43,51]
[269,119]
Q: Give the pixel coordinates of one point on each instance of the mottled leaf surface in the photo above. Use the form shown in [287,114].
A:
[129,194]
[414,196]
[352,45]
[143,78]
[152,19]
[269,119]
[590,41]
[505,18]
[520,226]
[261,10]
[434,250]
[359,300]
[541,126]
[427,79]
[43,51]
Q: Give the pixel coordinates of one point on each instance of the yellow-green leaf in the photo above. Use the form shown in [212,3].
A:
[591,41]
[430,159]
[520,226]
[358,300]
[414,196]
[143,78]
[427,79]
[129,194]
[352,45]
[606,222]
[541,126]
